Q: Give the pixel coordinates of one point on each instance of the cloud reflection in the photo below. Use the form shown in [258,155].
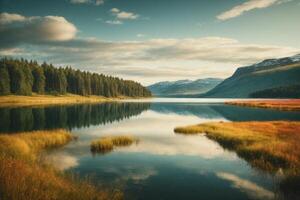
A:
[252,189]
[160,139]
[62,161]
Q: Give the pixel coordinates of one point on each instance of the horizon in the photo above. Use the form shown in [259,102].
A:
[150,42]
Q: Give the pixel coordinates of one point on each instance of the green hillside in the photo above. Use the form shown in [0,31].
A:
[248,80]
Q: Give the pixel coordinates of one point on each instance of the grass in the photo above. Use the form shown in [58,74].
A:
[270,146]
[23,176]
[282,104]
[37,100]
[107,144]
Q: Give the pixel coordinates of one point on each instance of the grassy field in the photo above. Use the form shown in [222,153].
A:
[270,146]
[23,176]
[36,100]
[282,104]
[107,144]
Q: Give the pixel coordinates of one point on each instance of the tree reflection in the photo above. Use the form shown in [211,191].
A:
[69,117]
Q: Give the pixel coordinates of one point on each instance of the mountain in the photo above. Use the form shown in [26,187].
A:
[183,87]
[267,74]
[290,91]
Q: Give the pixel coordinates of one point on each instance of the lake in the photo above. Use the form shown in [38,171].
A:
[162,165]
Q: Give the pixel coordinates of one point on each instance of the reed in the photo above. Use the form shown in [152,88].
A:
[23,176]
[106,144]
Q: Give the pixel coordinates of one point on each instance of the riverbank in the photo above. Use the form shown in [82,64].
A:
[45,100]
[24,176]
[280,104]
[271,145]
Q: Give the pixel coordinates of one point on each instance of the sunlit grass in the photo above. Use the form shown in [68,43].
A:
[289,104]
[23,176]
[27,145]
[267,145]
[36,100]
[44,100]
[106,144]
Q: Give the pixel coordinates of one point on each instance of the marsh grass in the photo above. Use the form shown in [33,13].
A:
[269,145]
[107,144]
[283,104]
[23,177]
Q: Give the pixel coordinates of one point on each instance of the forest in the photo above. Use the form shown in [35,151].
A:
[23,77]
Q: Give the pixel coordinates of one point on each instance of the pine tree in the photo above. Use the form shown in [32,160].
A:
[38,80]
[4,81]
[22,77]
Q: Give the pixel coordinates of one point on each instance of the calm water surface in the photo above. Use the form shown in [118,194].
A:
[163,165]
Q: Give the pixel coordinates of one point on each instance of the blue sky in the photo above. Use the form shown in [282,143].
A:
[151,40]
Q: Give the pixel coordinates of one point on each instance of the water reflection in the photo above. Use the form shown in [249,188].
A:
[253,190]
[163,165]
[69,117]
[229,112]
[78,116]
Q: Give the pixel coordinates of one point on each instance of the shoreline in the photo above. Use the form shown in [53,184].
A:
[267,145]
[49,100]
[23,172]
[278,104]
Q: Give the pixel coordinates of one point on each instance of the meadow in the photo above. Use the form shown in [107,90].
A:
[24,176]
[40,100]
[279,104]
[271,145]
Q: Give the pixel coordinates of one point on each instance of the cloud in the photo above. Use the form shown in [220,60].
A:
[253,190]
[53,39]
[247,6]
[16,29]
[7,18]
[95,2]
[114,22]
[122,15]
[140,35]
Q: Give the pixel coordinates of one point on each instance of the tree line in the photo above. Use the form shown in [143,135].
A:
[23,77]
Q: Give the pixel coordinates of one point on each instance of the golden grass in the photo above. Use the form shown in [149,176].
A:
[282,104]
[23,177]
[44,100]
[38,100]
[28,145]
[268,145]
[106,144]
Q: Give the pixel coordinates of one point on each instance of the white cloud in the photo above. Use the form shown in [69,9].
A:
[115,10]
[99,2]
[247,6]
[17,29]
[114,22]
[95,2]
[140,35]
[122,15]
[52,38]
[7,18]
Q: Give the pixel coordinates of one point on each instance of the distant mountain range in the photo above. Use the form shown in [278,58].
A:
[183,88]
[268,74]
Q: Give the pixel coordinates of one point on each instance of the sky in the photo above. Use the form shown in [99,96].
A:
[150,40]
